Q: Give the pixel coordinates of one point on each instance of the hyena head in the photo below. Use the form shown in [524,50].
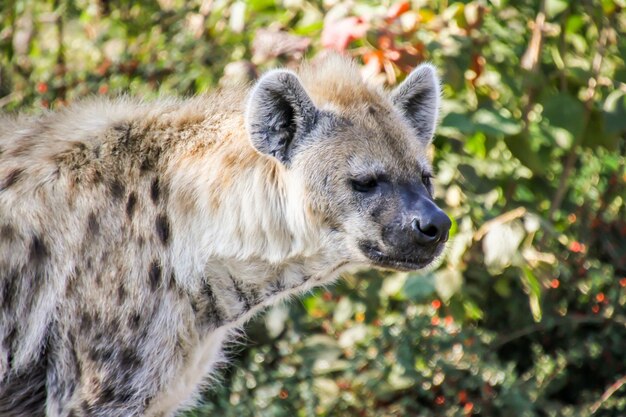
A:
[361,154]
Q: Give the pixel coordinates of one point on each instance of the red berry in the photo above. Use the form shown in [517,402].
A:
[576,247]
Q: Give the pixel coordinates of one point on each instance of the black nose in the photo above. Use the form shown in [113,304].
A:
[431,225]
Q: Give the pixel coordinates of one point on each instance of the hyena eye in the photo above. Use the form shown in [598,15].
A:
[365,185]
[427,181]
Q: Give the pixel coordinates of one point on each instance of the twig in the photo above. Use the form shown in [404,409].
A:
[530,59]
[575,320]
[503,218]
[6,99]
[610,391]
[530,62]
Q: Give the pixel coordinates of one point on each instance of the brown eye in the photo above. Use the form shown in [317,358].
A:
[427,181]
[365,185]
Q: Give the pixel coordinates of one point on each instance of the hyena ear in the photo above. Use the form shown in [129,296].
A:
[279,114]
[418,99]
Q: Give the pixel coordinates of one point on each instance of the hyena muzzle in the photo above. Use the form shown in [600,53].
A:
[137,237]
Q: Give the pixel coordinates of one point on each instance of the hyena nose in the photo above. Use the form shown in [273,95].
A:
[431,226]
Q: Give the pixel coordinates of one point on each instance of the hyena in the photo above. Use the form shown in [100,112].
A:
[136,237]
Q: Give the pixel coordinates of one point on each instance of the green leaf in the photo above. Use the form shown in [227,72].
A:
[419,288]
[533,288]
[458,122]
[615,112]
[555,7]
[520,148]
[596,135]
[565,111]
[492,122]
[475,145]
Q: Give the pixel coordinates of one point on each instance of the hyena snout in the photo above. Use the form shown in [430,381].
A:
[429,225]
[412,239]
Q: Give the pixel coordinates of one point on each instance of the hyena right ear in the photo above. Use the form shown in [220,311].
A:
[418,99]
[279,114]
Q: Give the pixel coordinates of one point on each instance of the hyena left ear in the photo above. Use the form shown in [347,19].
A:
[279,114]
[418,99]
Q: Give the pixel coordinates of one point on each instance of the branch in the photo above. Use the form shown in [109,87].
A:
[530,62]
[539,327]
[610,391]
[503,218]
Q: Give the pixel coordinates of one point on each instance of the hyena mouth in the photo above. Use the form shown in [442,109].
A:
[399,263]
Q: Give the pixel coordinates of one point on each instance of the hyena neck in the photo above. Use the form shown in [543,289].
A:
[245,223]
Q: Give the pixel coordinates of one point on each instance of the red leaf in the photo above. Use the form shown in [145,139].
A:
[398,9]
[338,35]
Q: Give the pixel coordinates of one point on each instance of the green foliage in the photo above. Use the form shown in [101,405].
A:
[526,314]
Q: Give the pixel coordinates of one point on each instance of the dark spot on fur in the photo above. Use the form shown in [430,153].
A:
[96,176]
[276,286]
[243,297]
[6,293]
[162,225]
[150,159]
[98,280]
[134,320]
[38,250]
[124,133]
[7,232]
[96,151]
[92,224]
[371,109]
[154,275]
[24,393]
[101,354]
[154,190]
[130,204]
[12,178]
[7,341]
[60,383]
[116,188]
[207,308]
[377,211]
[121,294]
[172,282]
[70,284]
[129,359]
[86,322]
[107,395]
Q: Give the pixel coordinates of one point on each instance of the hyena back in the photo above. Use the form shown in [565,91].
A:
[136,236]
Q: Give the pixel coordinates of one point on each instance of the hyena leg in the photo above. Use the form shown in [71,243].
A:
[102,381]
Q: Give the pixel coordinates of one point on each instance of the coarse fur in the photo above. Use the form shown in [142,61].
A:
[137,237]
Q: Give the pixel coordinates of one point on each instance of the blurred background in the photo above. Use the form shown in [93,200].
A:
[526,315]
